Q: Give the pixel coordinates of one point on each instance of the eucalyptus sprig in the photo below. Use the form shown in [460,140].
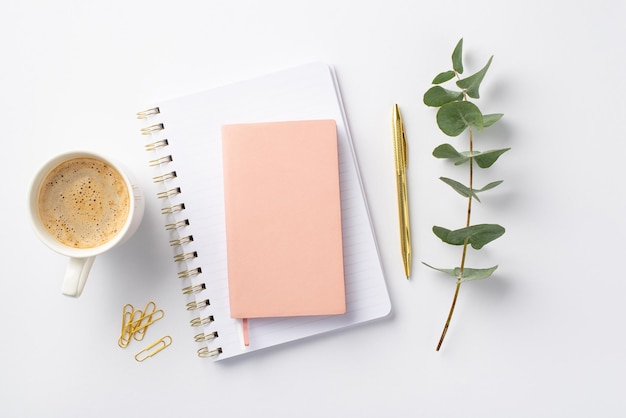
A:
[457,114]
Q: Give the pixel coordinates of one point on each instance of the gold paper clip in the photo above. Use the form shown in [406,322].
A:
[139,329]
[160,344]
[127,315]
[137,326]
[135,322]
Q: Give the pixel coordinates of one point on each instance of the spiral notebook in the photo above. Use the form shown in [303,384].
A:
[185,148]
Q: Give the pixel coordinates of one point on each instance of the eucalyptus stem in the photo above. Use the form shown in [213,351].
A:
[445,328]
[464,253]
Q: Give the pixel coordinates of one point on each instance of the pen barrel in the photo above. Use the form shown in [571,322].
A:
[400,152]
[399,145]
[405,226]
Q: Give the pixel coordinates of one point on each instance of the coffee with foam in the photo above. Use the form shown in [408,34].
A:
[84,202]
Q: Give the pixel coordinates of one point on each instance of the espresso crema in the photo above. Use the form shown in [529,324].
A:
[84,202]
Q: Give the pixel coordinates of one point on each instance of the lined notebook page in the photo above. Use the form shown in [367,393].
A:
[193,130]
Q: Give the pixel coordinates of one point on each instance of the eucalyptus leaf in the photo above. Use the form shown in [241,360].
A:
[438,96]
[468,273]
[490,186]
[490,119]
[442,233]
[486,159]
[452,272]
[443,77]
[446,151]
[454,117]
[471,84]
[465,191]
[460,188]
[476,235]
[449,152]
[457,57]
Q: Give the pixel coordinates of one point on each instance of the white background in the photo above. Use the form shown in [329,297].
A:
[544,337]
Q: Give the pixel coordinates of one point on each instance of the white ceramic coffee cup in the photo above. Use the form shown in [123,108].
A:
[81,259]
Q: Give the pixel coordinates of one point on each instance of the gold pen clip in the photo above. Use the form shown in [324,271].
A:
[160,344]
[405,156]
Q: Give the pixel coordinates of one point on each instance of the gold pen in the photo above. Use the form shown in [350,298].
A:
[399,147]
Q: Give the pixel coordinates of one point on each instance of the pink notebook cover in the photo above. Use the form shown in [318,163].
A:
[283,219]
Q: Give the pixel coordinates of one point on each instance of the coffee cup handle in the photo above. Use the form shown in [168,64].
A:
[76,275]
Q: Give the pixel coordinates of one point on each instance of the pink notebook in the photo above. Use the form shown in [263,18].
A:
[283,219]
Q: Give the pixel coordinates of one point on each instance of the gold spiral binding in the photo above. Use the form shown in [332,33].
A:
[181,241]
[144,114]
[177,225]
[169,193]
[159,161]
[185,274]
[162,343]
[158,144]
[152,128]
[173,209]
[164,177]
[194,289]
[199,322]
[185,256]
[204,352]
[202,337]
[193,306]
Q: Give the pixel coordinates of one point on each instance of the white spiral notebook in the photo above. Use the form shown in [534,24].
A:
[184,145]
